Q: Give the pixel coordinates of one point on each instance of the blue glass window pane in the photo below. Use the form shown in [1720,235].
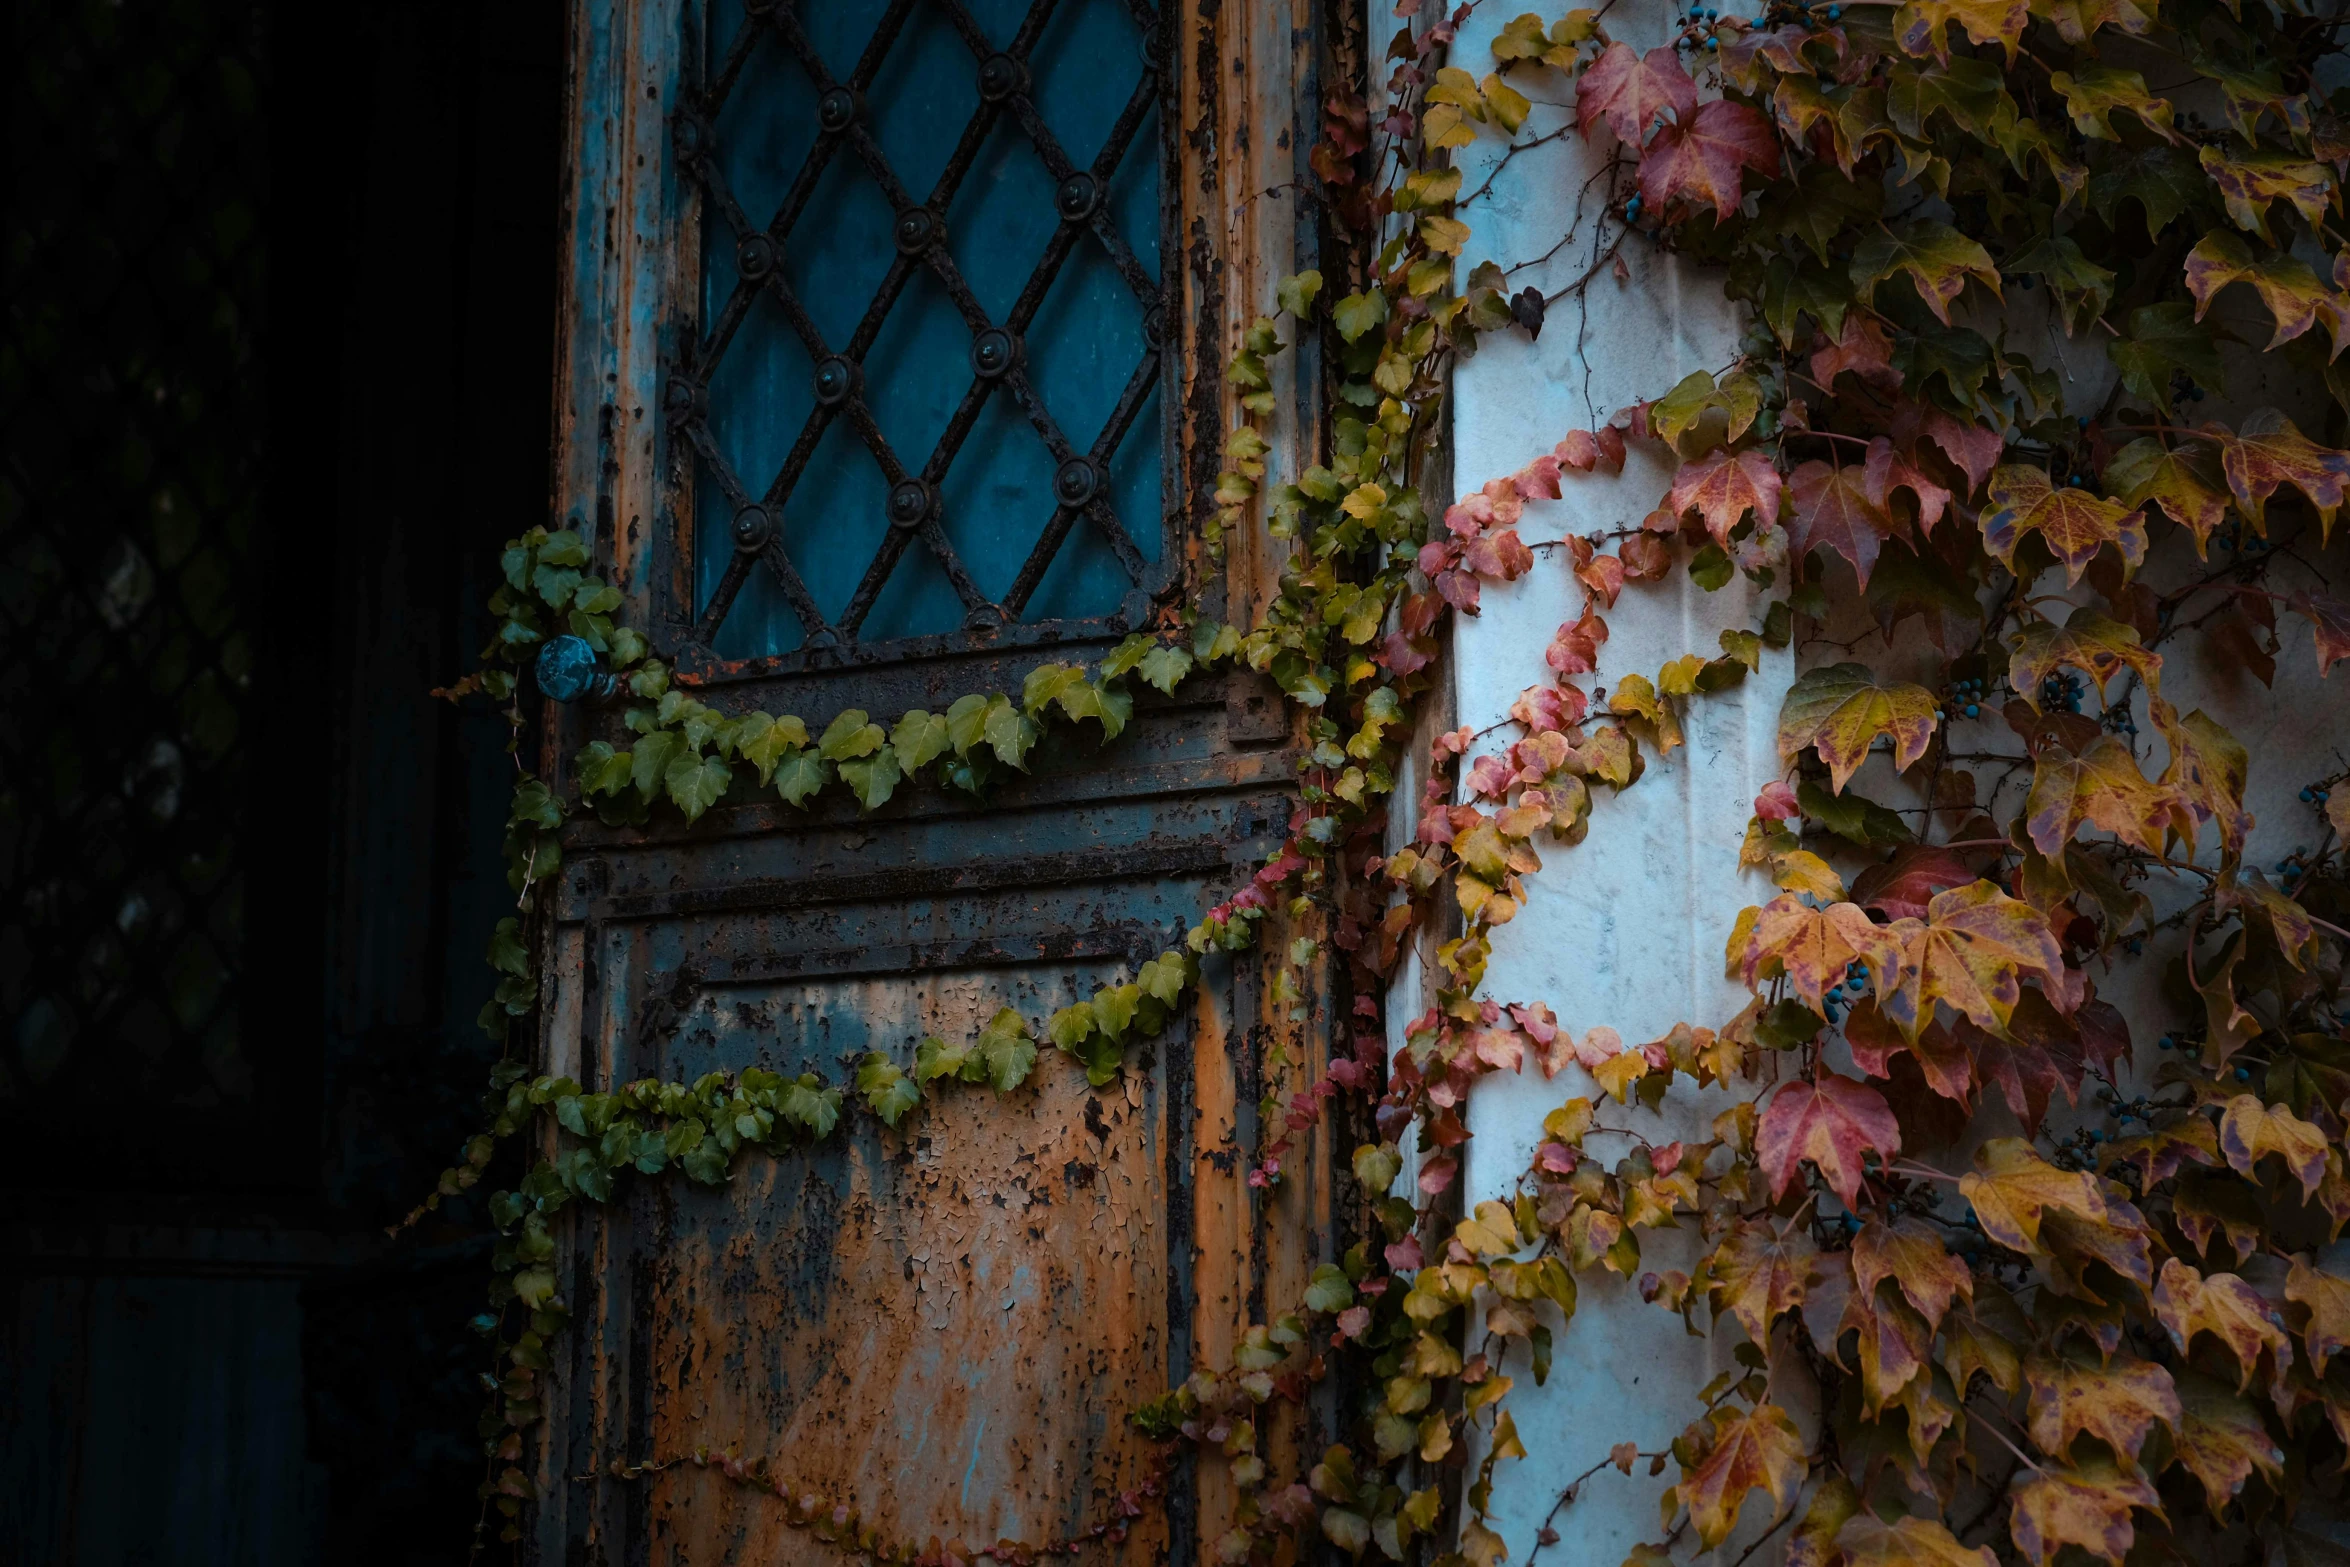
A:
[1076,289]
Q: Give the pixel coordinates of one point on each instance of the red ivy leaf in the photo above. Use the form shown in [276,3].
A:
[2329,618]
[1834,510]
[1631,90]
[1722,487]
[1706,157]
[1830,1122]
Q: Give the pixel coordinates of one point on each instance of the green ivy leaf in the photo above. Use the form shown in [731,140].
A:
[535,805]
[967,722]
[815,1110]
[800,774]
[850,736]
[696,782]
[1010,732]
[1359,313]
[653,754]
[2158,341]
[1113,1008]
[887,1092]
[934,1058]
[1330,1292]
[602,770]
[1296,294]
[918,738]
[874,778]
[1008,1051]
[1071,1026]
[1047,683]
[1852,818]
[764,742]
[506,953]
[563,548]
[1212,643]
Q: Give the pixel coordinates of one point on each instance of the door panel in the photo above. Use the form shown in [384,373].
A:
[944,1324]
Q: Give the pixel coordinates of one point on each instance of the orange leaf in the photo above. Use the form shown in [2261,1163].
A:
[2250,1130]
[1814,946]
[1631,91]
[2222,1439]
[2076,523]
[2099,786]
[2230,1310]
[2088,1507]
[2293,294]
[1723,487]
[2116,1402]
[1842,710]
[1907,1542]
[2266,453]
[1863,348]
[2089,642]
[1829,1121]
[1758,1274]
[2326,1296]
[1895,1346]
[1972,954]
[1911,1255]
[1760,1448]
[2013,1191]
[1920,24]
[1705,157]
[2205,776]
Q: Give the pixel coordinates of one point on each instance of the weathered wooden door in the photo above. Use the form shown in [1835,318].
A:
[886,328]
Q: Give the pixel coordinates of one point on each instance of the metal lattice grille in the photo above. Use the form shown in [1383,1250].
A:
[130,303]
[879,524]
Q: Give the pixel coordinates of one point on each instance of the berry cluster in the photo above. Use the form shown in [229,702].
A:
[2061,691]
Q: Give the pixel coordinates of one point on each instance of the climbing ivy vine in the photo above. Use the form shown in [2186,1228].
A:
[1989,253]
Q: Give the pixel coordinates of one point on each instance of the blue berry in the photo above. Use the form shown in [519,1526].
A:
[2243,1074]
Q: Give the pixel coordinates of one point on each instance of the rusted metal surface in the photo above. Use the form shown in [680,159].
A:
[945,1324]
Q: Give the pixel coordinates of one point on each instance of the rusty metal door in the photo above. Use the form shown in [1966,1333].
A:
[885,325]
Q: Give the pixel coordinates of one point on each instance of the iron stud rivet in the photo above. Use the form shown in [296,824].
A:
[688,132]
[679,396]
[836,378]
[1000,76]
[755,256]
[909,503]
[836,108]
[1078,196]
[752,529]
[1076,481]
[1154,325]
[992,352]
[916,230]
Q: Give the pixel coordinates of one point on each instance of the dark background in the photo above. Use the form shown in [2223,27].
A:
[276,343]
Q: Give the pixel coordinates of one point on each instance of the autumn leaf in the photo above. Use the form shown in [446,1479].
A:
[1829,1121]
[2249,186]
[1812,946]
[2326,1297]
[2184,480]
[1842,710]
[2250,1131]
[2098,786]
[1935,256]
[1920,25]
[1632,91]
[1895,1347]
[2093,94]
[2296,300]
[2267,452]
[1758,1274]
[1862,348]
[1834,509]
[2230,1310]
[1705,157]
[2329,619]
[1757,1449]
[2206,775]
[1722,487]
[1972,953]
[1867,1541]
[2088,1507]
[2221,1439]
[2075,523]
[2098,647]
[2014,1191]
[1902,887]
[1912,1256]
[2116,1401]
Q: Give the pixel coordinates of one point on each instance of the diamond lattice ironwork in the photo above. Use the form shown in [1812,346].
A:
[918,518]
[131,292]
